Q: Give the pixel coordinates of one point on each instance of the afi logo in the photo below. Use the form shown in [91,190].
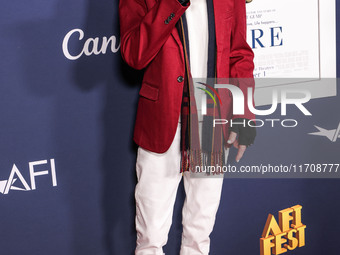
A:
[288,234]
[7,185]
[332,134]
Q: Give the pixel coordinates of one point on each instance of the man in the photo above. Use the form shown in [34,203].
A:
[157,37]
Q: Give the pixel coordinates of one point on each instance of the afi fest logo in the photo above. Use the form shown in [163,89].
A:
[332,134]
[16,179]
[286,98]
[91,45]
[287,235]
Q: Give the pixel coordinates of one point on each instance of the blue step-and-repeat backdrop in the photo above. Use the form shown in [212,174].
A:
[67,159]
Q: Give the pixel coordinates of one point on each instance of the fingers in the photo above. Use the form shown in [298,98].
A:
[236,144]
[232,137]
[241,150]
[241,147]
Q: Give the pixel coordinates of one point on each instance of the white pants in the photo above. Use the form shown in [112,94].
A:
[158,178]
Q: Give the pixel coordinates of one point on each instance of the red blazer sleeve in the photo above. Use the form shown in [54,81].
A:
[144,29]
[241,56]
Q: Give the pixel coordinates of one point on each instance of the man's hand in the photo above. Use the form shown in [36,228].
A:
[246,135]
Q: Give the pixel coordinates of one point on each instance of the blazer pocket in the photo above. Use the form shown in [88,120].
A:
[149,92]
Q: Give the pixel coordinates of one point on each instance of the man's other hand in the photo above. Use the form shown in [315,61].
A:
[241,135]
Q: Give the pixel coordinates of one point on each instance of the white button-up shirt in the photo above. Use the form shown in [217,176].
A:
[198,33]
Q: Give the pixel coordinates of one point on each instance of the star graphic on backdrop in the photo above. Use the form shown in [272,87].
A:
[332,134]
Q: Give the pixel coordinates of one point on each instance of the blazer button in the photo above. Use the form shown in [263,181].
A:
[172,15]
[180,78]
[166,21]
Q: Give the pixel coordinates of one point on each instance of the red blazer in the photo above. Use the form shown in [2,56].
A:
[150,41]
